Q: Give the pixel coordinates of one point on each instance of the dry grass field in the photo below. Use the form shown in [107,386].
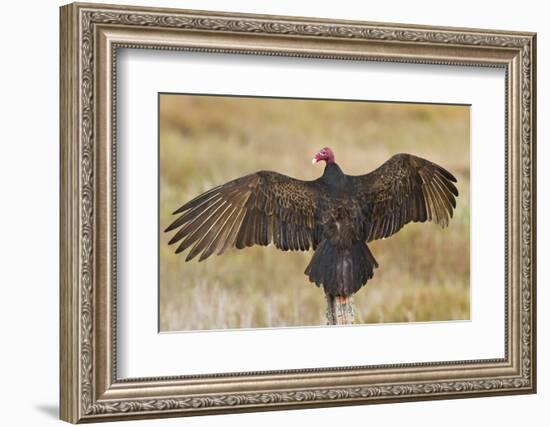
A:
[424,271]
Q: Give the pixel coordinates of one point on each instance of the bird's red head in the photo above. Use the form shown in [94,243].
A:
[325,154]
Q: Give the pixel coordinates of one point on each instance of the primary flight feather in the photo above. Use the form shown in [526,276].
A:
[336,215]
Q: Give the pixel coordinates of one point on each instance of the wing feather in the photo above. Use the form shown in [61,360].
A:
[404,189]
[215,240]
[257,209]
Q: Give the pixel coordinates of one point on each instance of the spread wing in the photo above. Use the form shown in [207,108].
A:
[261,208]
[404,189]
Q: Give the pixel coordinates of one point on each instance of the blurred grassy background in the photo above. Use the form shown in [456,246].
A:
[424,270]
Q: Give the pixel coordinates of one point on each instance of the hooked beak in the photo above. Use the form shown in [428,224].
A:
[315,159]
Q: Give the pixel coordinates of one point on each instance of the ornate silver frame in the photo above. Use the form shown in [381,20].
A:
[90,36]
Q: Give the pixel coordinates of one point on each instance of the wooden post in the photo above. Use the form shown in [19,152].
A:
[339,310]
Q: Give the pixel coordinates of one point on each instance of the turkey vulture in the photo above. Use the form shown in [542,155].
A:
[336,215]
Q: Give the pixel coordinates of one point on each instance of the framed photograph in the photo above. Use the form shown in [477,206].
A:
[266,212]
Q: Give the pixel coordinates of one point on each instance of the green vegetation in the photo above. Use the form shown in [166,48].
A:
[424,270]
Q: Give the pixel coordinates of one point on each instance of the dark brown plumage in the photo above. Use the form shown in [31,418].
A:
[336,215]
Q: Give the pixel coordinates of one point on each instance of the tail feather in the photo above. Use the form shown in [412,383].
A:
[341,271]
